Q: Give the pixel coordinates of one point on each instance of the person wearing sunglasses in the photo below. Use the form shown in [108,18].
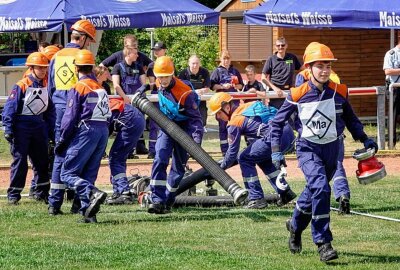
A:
[278,71]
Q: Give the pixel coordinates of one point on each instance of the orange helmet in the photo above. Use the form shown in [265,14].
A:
[84,58]
[86,27]
[318,52]
[50,51]
[217,100]
[163,66]
[309,47]
[37,59]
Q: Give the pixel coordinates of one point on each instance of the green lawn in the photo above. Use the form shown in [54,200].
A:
[126,237]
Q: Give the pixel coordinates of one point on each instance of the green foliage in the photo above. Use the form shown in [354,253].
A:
[112,41]
[182,42]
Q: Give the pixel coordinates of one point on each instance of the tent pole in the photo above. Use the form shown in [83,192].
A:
[392,38]
[65,34]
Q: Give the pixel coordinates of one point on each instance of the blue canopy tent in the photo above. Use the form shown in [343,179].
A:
[49,15]
[377,14]
[120,14]
[31,16]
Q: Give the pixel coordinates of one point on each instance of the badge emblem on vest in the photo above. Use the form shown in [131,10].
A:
[36,100]
[64,73]
[103,104]
[319,124]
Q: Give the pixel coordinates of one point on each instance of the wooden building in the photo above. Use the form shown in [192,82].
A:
[360,53]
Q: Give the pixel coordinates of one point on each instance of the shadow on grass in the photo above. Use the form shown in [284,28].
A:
[368,258]
[204,214]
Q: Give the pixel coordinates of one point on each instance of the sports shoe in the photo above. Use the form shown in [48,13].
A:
[151,156]
[286,197]
[256,204]
[295,245]
[344,205]
[88,220]
[327,253]
[124,198]
[53,211]
[98,197]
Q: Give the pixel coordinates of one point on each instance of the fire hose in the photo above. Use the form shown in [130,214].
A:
[143,104]
[214,201]
[369,215]
[195,178]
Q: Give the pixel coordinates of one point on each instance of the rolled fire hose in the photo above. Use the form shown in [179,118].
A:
[143,104]
[214,201]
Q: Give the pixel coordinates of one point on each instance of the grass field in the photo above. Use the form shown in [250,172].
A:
[127,237]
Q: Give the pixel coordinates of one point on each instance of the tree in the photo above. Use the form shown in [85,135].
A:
[182,42]
[209,3]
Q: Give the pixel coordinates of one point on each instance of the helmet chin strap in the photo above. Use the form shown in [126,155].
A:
[312,74]
[84,42]
[230,114]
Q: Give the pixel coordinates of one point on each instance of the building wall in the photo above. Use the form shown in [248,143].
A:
[359,52]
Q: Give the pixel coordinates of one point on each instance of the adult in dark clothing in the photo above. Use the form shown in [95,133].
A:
[199,77]
[225,78]
[130,41]
[278,71]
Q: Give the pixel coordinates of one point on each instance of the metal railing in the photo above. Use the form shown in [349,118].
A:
[378,91]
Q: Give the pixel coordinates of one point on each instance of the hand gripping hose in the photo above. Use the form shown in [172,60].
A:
[143,104]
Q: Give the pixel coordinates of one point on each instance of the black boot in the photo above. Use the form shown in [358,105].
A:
[295,245]
[327,253]
[76,205]
[286,197]
[344,205]
[98,197]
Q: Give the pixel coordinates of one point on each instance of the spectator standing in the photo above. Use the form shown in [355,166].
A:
[199,77]
[278,71]
[225,78]
[391,66]
[159,49]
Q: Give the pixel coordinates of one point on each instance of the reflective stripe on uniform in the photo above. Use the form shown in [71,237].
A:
[301,210]
[43,184]
[119,176]
[339,178]
[92,100]
[15,188]
[57,186]
[339,111]
[251,179]
[152,140]
[273,174]
[171,189]
[223,142]
[162,183]
[317,217]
